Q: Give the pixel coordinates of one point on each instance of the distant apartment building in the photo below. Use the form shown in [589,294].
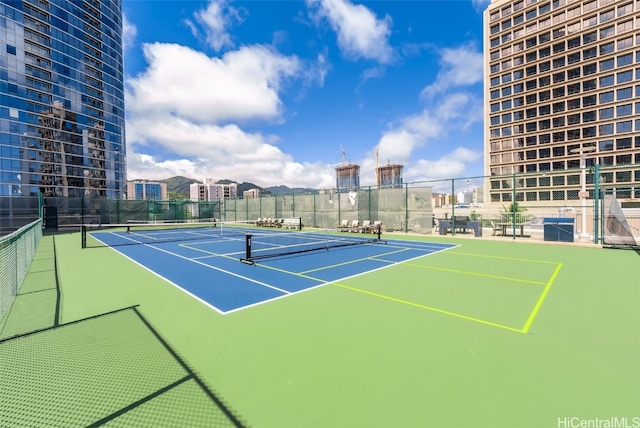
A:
[251,193]
[146,190]
[562,77]
[62,99]
[478,195]
[211,191]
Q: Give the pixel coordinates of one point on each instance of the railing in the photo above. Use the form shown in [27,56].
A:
[16,253]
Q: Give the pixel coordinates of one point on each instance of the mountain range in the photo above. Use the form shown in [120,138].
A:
[178,187]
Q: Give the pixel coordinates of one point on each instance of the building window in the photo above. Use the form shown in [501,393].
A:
[623,110]
[589,100]
[606,65]
[558,122]
[606,97]
[558,107]
[623,127]
[625,43]
[573,58]
[558,136]
[589,132]
[589,85]
[625,26]
[589,53]
[623,94]
[606,129]
[11,49]
[558,92]
[606,81]
[589,69]
[573,134]
[606,113]
[495,107]
[573,43]
[623,143]
[606,32]
[573,88]
[606,16]
[605,145]
[544,124]
[589,116]
[573,119]
[624,77]
[574,73]
[532,99]
[625,60]
[573,104]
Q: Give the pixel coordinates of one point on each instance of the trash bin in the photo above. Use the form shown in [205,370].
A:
[558,229]
[476,226]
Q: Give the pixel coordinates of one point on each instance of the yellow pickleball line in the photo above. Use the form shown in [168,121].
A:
[538,305]
[500,257]
[441,311]
[485,275]
[357,260]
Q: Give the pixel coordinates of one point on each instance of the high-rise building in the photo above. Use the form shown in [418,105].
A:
[348,177]
[209,190]
[561,93]
[389,175]
[139,189]
[62,127]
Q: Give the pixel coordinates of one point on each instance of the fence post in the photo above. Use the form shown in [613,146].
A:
[514,206]
[596,203]
[406,207]
[453,207]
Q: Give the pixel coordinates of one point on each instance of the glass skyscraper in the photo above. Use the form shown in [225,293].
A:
[62,129]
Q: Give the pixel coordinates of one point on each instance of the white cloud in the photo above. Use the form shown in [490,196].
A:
[241,85]
[480,5]
[215,20]
[209,151]
[129,33]
[461,66]
[184,114]
[360,34]
[452,164]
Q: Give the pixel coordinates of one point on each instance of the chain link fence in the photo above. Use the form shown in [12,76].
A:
[508,202]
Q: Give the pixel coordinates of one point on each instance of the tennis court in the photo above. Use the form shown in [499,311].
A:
[405,331]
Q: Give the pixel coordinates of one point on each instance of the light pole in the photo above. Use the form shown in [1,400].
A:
[582,151]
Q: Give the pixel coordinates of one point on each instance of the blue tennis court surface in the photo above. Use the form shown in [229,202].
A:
[209,268]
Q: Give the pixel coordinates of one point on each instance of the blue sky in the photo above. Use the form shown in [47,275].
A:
[269,91]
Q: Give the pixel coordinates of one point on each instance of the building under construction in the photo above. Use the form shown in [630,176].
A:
[389,175]
[348,177]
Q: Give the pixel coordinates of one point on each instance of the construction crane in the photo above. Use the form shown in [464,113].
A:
[343,155]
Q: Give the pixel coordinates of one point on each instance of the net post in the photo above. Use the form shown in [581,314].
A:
[299,223]
[248,246]
[83,235]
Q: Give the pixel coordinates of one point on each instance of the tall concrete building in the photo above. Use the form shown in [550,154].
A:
[62,99]
[562,88]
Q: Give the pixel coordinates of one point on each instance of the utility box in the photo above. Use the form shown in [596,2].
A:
[558,229]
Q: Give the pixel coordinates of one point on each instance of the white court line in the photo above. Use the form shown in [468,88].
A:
[323,282]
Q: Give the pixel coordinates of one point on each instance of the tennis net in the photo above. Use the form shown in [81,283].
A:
[136,233]
[260,246]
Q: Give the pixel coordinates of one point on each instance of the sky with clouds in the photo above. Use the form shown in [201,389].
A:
[283,92]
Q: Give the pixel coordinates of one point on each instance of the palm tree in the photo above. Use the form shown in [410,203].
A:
[514,208]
